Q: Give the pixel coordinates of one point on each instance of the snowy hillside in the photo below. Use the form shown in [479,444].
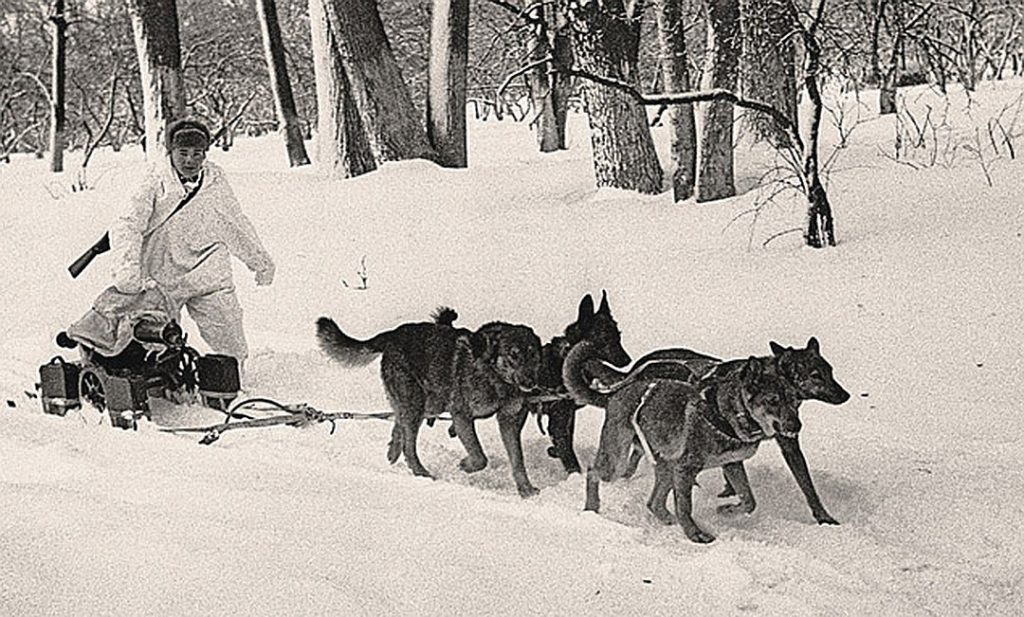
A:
[918,309]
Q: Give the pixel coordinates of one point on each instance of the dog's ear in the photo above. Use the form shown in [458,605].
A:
[483,345]
[586,312]
[776,348]
[812,345]
[603,308]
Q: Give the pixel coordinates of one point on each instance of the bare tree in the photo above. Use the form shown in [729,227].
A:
[375,80]
[342,146]
[768,68]
[801,144]
[715,178]
[675,70]
[284,101]
[446,99]
[606,36]
[155,24]
[57,112]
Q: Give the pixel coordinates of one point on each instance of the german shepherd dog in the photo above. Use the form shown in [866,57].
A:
[600,329]
[807,373]
[685,427]
[432,367]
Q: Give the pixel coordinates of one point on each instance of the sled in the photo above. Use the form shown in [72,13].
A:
[157,362]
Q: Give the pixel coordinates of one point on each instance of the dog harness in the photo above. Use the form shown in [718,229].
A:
[636,424]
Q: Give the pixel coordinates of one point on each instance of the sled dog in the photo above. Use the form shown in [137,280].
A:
[600,329]
[432,367]
[805,370]
[685,426]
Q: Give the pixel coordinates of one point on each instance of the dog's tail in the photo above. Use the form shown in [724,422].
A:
[343,348]
[577,373]
[444,316]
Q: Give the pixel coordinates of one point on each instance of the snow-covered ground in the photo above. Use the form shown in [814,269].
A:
[918,309]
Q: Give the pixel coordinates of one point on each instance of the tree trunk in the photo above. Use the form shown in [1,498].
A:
[374,80]
[606,42]
[155,24]
[446,85]
[541,81]
[675,71]
[768,66]
[284,100]
[715,154]
[820,231]
[60,26]
[561,84]
[342,146]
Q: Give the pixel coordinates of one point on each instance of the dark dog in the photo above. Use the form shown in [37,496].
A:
[429,368]
[805,370]
[685,427]
[598,328]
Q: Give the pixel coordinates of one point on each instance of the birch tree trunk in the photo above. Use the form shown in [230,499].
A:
[284,100]
[446,87]
[675,70]
[155,25]
[715,178]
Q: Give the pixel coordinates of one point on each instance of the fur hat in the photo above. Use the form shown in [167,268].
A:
[187,134]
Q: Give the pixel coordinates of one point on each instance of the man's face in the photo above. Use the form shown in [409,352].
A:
[188,161]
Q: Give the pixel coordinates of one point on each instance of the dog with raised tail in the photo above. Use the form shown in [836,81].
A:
[429,368]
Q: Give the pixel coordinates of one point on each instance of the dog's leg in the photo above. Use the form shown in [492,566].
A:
[395,445]
[636,453]
[660,491]
[410,430]
[561,426]
[465,429]
[736,475]
[593,502]
[511,419]
[408,399]
[794,457]
[683,477]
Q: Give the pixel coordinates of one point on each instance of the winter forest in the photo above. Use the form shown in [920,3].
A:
[737,208]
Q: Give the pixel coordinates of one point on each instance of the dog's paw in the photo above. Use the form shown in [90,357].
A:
[527,490]
[663,515]
[733,509]
[824,518]
[700,537]
[470,464]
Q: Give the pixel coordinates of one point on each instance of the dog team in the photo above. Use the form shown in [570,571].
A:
[683,410]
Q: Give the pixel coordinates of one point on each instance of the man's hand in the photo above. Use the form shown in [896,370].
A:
[265,276]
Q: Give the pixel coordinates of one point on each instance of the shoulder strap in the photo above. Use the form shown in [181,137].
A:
[184,201]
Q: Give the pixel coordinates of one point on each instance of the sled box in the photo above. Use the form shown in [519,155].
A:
[59,379]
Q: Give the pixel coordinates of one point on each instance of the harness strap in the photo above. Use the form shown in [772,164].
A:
[636,425]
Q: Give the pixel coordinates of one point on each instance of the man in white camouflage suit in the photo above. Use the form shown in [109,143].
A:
[182,252]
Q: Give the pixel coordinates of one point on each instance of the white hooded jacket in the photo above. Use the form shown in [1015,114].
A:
[188,254]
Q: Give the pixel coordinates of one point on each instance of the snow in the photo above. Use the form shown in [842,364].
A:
[918,309]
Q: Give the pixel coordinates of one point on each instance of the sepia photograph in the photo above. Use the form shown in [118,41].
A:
[512,307]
